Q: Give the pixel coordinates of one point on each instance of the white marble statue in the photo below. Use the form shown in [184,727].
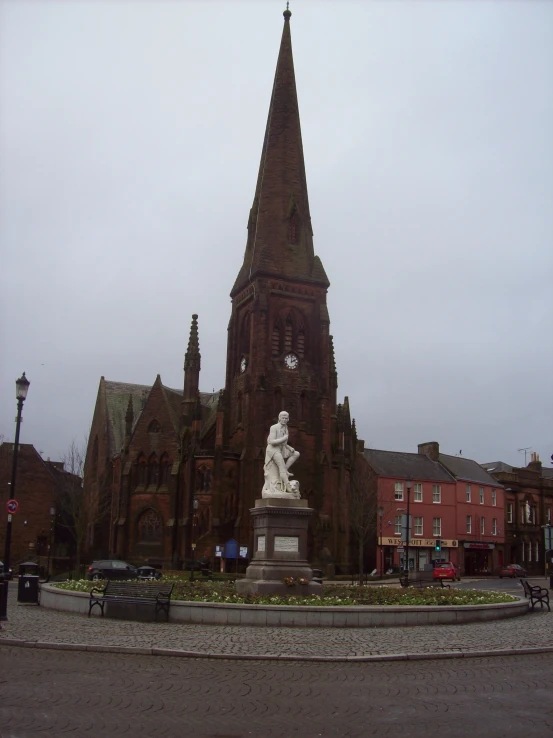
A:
[279,457]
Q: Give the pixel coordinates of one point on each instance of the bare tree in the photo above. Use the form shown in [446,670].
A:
[364,513]
[79,512]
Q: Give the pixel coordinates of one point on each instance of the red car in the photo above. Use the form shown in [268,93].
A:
[512,570]
[447,570]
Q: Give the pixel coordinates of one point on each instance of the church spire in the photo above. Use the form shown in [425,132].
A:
[280,238]
[192,363]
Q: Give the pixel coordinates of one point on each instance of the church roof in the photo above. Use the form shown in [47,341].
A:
[117,399]
[280,238]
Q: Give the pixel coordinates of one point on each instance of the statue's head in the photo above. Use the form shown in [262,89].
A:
[283,417]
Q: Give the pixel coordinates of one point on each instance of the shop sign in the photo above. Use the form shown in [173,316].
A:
[479,546]
[419,542]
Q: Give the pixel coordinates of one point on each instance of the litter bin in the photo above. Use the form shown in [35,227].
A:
[27,589]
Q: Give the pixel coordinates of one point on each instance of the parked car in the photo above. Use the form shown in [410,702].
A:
[111,569]
[148,572]
[512,570]
[8,574]
[447,570]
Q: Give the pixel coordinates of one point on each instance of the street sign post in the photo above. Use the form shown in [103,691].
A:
[12,506]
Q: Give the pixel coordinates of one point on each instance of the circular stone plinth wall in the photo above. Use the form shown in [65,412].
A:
[215,613]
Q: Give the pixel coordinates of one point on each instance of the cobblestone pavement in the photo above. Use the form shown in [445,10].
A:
[58,693]
[30,623]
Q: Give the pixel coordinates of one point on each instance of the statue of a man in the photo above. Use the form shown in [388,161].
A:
[279,457]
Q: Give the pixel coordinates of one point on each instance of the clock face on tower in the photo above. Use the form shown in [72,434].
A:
[291,361]
[243,364]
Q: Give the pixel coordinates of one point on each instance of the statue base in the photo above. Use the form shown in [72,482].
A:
[279,565]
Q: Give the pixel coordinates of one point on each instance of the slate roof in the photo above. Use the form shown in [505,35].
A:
[467,470]
[404,465]
[117,400]
[497,466]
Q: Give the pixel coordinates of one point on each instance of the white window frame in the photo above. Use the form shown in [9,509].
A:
[509,512]
[397,525]
[494,526]
[398,492]
[418,526]
[494,497]
[467,493]
[482,526]
[469,523]
[482,497]
[437,527]
[417,492]
[436,493]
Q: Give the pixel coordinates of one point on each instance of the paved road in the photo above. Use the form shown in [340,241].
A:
[31,623]
[58,693]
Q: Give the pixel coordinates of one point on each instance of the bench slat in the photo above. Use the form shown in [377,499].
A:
[139,593]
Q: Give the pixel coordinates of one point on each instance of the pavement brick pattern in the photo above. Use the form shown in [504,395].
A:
[57,693]
[32,623]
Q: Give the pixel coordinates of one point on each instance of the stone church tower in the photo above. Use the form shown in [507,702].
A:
[279,356]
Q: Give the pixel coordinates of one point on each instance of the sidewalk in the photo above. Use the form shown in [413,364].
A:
[33,626]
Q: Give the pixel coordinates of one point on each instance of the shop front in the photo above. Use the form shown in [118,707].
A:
[422,552]
[479,558]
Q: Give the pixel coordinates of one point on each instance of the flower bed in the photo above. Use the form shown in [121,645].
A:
[224,592]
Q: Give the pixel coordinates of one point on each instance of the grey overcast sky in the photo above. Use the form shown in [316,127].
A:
[130,137]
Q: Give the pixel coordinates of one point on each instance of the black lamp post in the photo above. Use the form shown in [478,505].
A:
[380,516]
[193,540]
[407,528]
[21,389]
[52,537]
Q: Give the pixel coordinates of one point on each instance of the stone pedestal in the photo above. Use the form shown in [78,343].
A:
[280,549]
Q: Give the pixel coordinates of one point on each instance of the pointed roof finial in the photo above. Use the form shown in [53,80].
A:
[192,356]
[287,13]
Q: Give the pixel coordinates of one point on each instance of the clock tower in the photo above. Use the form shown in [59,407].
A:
[280,353]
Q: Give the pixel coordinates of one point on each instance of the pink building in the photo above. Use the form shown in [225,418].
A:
[456,510]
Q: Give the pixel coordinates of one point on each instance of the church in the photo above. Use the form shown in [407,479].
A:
[171,474]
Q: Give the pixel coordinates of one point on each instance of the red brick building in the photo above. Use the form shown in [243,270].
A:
[452,500]
[36,534]
[528,508]
[181,466]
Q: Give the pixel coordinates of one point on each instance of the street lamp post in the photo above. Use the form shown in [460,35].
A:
[407,529]
[51,538]
[380,516]
[193,539]
[21,389]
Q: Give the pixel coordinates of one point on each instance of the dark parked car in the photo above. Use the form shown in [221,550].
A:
[148,572]
[513,571]
[111,569]
[8,574]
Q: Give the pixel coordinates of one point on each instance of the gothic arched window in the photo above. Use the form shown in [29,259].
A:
[275,341]
[149,527]
[288,333]
[300,343]
[165,468]
[203,480]
[153,471]
[141,471]
[239,408]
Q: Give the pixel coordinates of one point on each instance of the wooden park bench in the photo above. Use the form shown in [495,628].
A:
[422,582]
[536,594]
[136,593]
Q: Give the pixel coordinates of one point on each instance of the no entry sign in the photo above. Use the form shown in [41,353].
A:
[12,506]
